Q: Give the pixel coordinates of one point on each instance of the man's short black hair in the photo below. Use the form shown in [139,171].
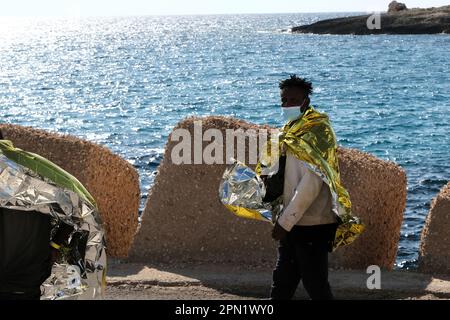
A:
[298,82]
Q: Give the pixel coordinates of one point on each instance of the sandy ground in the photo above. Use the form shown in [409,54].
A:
[144,292]
[224,282]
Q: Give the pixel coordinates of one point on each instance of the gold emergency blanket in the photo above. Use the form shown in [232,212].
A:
[312,140]
[29,182]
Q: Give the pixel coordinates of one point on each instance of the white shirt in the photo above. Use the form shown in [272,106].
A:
[306,198]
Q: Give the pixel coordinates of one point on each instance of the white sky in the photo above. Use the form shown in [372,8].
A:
[170,7]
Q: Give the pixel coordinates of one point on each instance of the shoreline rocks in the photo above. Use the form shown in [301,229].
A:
[434,254]
[184,220]
[111,180]
[378,193]
[398,20]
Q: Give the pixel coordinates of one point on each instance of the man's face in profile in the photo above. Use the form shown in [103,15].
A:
[292,97]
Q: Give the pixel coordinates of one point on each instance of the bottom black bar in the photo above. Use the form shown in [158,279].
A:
[226,309]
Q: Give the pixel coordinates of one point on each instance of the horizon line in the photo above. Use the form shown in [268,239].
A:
[182,14]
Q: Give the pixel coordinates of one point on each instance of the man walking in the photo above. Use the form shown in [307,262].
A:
[307,226]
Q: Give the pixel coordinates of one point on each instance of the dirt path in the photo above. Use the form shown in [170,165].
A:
[224,282]
[148,292]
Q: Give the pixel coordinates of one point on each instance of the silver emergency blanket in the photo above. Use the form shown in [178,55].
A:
[242,191]
[84,278]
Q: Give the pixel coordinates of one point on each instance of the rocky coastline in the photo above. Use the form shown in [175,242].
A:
[397,20]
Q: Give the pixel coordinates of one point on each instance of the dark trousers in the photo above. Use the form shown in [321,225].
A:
[303,255]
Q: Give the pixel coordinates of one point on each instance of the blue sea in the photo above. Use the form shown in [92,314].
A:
[125,82]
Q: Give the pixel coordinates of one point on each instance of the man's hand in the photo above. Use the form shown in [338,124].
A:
[278,233]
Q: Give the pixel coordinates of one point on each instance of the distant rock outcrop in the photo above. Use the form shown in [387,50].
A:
[184,220]
[398,20]
[434,255]
[395,6]
[111,180]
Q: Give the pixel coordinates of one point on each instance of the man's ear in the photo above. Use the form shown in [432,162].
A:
[305,104]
